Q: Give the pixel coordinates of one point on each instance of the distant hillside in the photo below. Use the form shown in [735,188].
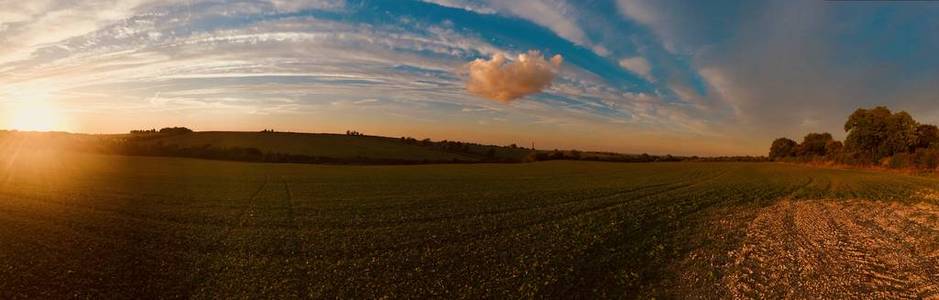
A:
[311,144]
[312,147]
[288,147]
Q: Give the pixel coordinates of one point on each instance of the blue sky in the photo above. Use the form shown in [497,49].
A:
[680,77]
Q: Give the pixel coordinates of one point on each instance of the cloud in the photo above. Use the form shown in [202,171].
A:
[554,15]
[637,65]
[732,48]
[473,6]
[187,57]
[562,17]
[298,5]
[503,80]
[645,13]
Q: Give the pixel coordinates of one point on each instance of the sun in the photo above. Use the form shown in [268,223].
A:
[35,116]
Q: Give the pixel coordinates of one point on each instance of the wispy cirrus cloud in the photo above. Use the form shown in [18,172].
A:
[559,16]
[638,65]
[732,72]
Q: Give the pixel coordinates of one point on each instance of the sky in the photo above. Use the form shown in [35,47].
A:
[634,76]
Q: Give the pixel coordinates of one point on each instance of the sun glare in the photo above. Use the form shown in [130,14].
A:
[35,116]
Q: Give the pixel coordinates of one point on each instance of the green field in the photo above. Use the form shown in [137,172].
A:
[99,226]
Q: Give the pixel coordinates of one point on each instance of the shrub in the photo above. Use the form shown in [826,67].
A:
[900,161]
[926,158]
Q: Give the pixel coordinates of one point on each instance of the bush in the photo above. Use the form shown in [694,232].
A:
[782,148]
[900,161]
[926,158]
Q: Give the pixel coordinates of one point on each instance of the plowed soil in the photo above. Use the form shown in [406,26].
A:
[838,249]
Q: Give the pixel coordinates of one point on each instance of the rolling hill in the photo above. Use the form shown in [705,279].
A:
[313,144]
[292,147]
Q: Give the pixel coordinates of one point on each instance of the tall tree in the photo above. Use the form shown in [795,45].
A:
[782,147]
[901,134]
[926,135]
[833,149]
[815,144]
[877,133]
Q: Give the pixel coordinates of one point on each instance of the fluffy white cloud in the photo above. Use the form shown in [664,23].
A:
[501,80]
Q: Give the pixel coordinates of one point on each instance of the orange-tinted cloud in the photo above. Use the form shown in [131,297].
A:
[503,80]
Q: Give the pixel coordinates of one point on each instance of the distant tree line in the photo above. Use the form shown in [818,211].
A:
[515,154]
[876,136]
[250,154]
[477,152]
[143,131]
[163,131]
[744,158]
[604,156]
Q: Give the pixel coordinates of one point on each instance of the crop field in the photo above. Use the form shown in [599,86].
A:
[93,226]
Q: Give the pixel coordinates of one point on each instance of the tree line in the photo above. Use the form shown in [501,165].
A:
[163,131]
[875,137]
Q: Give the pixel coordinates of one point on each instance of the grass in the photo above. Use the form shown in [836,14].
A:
[84,225]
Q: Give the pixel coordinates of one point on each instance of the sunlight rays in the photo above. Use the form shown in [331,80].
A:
[32,110]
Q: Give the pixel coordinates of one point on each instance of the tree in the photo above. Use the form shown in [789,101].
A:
[833,149]
[143,131]
[926,135]
[815,144]
[901,134]
[782,147]
[175,130]
[576,154]
[877,133]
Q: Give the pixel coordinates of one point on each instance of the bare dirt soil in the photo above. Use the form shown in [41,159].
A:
[838,249]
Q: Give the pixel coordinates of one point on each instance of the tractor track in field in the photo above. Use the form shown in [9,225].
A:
[202,267]
[458,217]
[285,252]
[541,221]
[667,186]
[295,242]
[596,260]
[801,188]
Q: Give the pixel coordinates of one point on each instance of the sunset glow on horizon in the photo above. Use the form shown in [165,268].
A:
[628,75]
[31,109]
[36,117]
